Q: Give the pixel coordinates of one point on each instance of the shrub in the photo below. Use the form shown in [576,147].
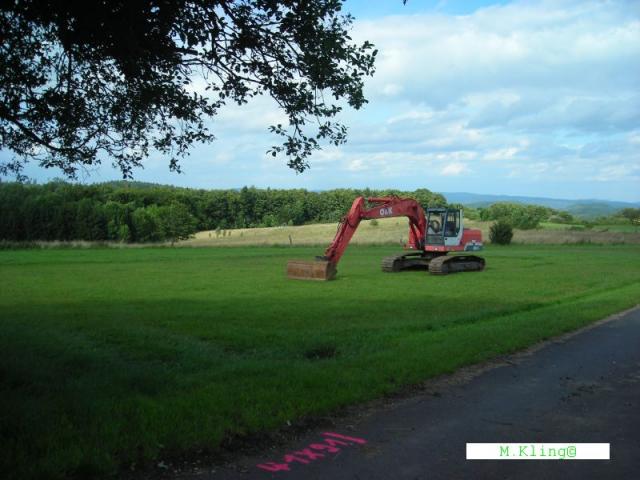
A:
[501,233]
[524,217]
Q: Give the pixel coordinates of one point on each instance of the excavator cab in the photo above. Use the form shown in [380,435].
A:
[444,226]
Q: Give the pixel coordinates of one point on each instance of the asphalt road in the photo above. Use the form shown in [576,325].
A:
[582,388]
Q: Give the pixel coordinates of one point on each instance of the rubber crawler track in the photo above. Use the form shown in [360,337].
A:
[437,264]
[456,263]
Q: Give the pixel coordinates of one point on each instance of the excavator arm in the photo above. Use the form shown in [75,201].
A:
[378,207]
[324,268]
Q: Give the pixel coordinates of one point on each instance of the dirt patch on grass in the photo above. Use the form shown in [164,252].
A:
[321,353]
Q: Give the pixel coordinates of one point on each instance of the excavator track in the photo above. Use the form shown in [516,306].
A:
[437,264]
[406,261]
[444,265]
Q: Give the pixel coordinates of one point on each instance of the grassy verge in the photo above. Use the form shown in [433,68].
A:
[113,357]
[624,228]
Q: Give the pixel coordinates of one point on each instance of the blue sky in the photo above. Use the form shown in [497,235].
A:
[520,98]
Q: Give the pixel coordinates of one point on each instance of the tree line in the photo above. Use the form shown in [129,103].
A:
[523,217]
[517,215]
[139,212]
[527,217]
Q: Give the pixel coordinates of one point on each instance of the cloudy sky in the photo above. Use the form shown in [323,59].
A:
[520,98]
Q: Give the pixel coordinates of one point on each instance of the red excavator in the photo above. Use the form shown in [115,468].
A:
[431,237]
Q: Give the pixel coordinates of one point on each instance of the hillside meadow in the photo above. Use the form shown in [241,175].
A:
[394,231]
[115,358]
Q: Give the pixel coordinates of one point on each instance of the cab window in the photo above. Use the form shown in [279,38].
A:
[452,226]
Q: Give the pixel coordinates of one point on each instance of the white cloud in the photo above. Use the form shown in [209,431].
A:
[454,168]
[634,137]
[534,97]
[253,117]
[440,59]
[543,92]
[500,154]
[356,165]
[391,89]
[616,172]
[413,116]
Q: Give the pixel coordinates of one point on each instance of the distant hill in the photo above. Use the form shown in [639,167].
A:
[587,208]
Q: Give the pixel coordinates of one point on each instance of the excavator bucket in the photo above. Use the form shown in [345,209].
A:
[315,270]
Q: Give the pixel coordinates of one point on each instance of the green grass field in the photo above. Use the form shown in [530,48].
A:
[115,357]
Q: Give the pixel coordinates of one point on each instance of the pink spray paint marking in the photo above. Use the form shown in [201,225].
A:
[331,443]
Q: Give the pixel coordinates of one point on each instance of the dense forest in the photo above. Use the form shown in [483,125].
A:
[139,212]
[143,212]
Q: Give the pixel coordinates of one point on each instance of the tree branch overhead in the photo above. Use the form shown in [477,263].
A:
[82,81]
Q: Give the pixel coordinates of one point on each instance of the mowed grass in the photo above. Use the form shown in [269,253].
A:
[112,357]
